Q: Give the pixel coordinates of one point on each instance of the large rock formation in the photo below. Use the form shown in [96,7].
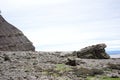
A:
[93,52]
[12,39]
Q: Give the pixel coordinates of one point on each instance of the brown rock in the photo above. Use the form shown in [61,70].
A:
[12,39]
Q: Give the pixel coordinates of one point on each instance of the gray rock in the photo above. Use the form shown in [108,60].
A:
[6,58]
[118,72]
[114,76]
[93,52]
[49,66]
[71,62]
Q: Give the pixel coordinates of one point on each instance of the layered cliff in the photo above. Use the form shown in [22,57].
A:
[12,39]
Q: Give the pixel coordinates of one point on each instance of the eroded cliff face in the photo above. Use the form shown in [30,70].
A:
[12,39]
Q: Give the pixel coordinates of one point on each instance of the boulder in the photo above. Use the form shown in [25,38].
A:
[93,52]
[71,62]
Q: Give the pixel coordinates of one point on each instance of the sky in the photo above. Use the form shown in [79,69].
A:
[65,25]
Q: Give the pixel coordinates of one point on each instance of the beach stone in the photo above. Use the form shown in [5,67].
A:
[6,58]
[118,72]
[114,76]
[93,52]
[71,62]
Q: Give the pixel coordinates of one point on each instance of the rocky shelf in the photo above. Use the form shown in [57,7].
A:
[28,65]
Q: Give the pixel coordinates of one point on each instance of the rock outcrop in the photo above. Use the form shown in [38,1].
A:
[93,52]
[12,39]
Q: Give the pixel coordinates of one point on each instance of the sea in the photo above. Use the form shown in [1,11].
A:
[114,54]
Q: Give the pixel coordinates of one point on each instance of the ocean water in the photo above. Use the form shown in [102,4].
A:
[114,54]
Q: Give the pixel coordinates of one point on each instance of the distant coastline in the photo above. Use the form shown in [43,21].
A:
[114,53]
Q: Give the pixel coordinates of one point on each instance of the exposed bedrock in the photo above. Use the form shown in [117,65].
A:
[93,52]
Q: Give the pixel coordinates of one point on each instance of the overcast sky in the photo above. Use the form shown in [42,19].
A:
[65,24]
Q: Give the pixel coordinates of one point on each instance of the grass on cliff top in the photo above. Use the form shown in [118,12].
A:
[102,78]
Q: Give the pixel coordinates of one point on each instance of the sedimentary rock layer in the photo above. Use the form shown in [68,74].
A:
[12,39]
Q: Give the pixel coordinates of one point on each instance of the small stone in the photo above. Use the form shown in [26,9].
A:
[114,76]
[6,58]
[71,62]
[31,78]
[118,72]
[11,78]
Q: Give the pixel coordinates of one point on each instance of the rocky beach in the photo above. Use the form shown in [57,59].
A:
[28,65]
